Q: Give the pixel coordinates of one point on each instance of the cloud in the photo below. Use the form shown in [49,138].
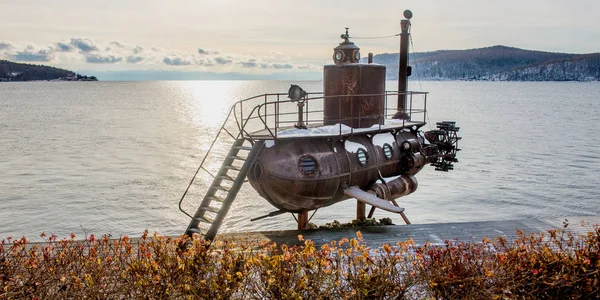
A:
[204,62]
[115,43]
[134,59]
[96,59]
[176,61]
[28,55]
[248,64]
[5,45]
[138,50]
[222,60]
[87,51]
[84,45]
[63,47]
[281,66]
[207,52]
[251,63]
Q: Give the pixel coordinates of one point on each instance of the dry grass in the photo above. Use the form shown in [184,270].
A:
[552,265]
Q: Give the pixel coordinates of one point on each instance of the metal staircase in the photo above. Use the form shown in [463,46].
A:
[225,186]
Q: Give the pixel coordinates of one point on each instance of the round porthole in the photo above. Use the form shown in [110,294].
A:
[258,171]
[356,55]
[338,56]
[362,156]
[387,151]
[406,146]
[308,165]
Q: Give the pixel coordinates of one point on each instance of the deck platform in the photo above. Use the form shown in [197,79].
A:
[328,131]
[436,233]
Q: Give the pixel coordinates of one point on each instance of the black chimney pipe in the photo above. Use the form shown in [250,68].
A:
[403,71]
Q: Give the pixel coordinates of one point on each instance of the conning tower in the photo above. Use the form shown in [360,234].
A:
[349,77]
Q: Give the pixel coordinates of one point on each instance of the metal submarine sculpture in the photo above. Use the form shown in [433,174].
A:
[303,151]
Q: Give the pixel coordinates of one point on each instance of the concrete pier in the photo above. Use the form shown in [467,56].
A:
[434,233]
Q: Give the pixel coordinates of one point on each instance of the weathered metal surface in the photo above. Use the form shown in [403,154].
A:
[403,69]
[354,79]
[399,187]
[298,176]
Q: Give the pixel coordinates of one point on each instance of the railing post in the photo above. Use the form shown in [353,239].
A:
[411,107]
[425,109]
[306,113]
[277,117]
[242,117]
[340,112]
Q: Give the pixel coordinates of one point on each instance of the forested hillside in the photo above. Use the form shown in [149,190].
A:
[497,63]
[10,71]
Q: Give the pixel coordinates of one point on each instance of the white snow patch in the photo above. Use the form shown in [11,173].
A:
[388,179]
[353,147]
[315,131]
[383,138]
[269,143]
[327,130]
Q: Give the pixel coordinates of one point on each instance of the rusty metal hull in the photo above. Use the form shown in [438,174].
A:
[354,79]
[301,175]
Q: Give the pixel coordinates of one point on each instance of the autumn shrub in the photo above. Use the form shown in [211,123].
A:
[458,270]
[555,265]
[552,265]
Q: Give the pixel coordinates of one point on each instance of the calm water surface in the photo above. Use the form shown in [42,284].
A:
[114,157]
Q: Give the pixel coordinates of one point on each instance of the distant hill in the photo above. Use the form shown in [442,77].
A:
[10,71]
[497,63]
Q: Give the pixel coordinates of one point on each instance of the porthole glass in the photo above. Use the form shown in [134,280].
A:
[258,171]
[356,55]
[405,146]
[338,56]
[308,165]
[362,156]
[387,151]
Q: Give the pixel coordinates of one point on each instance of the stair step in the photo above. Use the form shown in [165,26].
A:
[203,219]
[244,148]
[237,157]
[195,230]
[210,208]
[215,198]
[220,188]
[225,177]
[233,168]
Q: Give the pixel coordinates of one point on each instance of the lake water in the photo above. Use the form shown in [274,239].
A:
[114,157]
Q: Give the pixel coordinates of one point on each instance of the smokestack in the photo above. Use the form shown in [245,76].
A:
[403,71]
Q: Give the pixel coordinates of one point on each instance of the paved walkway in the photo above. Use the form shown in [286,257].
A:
[434,233]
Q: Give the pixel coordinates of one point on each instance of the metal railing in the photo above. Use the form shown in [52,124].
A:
[267,116]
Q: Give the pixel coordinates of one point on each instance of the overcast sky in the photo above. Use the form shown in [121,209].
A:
[261,36]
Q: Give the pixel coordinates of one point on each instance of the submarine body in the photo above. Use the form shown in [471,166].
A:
[300,175]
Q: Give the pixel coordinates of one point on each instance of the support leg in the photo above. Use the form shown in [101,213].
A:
[371,212]
[405,218]
[361,208]
[302,220]
[402,213]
